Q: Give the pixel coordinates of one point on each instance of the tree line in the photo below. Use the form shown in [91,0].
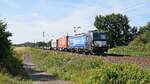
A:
[38,44]
[119,31]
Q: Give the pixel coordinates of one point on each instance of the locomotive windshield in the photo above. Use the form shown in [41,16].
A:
[99,36]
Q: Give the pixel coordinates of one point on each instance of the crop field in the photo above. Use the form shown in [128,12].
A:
[83,69]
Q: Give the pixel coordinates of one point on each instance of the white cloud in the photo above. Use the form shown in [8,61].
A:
[30,28]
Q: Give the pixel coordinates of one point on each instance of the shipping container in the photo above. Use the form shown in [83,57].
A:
[63,42]
[54,44]
[77,42]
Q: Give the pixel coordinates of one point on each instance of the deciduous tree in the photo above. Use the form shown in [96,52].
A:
[118,28]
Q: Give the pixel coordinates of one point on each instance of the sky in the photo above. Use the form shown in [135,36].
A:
[28,19]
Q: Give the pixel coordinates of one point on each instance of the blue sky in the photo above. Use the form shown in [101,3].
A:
[27,19]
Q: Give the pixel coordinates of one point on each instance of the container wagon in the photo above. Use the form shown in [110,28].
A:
[62,43]
[77,43]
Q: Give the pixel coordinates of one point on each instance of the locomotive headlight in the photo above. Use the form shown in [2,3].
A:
[100,43]
[92,45]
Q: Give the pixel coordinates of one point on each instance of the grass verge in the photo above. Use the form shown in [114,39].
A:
[88,69]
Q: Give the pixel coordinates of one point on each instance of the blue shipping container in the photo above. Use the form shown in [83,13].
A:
[77,42]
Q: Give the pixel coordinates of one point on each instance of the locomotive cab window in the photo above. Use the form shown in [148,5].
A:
[99,36]
[103,36]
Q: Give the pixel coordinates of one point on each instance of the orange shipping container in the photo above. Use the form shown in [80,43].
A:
[63,42]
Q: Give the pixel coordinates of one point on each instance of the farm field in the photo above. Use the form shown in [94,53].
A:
[83,69]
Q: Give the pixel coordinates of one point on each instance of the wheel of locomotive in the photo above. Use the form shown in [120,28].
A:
[91,52]
[79,51]
[87,52]
[100,52]
[84,53]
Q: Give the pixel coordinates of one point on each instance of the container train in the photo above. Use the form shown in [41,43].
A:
[93,42]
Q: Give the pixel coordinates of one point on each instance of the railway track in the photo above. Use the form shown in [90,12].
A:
[143,61]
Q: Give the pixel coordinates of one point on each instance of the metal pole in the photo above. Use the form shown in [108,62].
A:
[43,36]
[43,39]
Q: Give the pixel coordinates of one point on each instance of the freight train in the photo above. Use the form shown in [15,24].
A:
[93,42]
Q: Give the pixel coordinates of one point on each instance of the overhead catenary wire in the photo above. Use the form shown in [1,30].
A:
[127,9]
[133,7]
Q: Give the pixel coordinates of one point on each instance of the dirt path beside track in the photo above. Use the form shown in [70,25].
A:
[40,77]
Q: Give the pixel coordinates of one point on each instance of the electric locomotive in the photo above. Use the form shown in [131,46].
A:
[93,42]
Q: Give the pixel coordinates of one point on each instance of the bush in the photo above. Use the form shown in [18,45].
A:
[5,44]
[119,74]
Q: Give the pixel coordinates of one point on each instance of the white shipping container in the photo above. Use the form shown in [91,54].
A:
[54,44]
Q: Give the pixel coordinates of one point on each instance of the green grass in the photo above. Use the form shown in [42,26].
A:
[88,69]
[19,52]
[139,50]
[5,78]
